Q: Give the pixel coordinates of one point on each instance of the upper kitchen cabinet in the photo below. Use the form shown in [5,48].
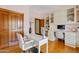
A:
[73,14]
[70,14]
[77,13]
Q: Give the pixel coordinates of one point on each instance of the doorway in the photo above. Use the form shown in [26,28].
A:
[39,23]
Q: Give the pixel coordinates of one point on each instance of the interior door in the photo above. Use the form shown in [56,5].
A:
[37,26]
[39,23]
[4,32]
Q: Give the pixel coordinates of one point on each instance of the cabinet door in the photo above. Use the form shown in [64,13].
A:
[12,26]
[4,32]
[70,39]
[15,25]
[77,42]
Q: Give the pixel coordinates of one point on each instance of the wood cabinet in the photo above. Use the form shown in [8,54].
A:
[4,29]
[15,25]
[10,23]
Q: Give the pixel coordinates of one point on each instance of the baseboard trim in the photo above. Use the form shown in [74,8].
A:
[77,46]
[70,45]
[51,39]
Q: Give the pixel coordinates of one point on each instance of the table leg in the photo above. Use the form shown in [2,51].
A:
[39,49]
[47,47]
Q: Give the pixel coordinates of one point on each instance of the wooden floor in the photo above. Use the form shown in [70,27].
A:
[59,47]
[54,47]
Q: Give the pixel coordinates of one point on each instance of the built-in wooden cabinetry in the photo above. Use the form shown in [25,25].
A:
[10,23]
[4,31]
[15,25]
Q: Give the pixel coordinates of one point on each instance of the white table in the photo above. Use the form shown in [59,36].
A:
[42,42]
[39,41]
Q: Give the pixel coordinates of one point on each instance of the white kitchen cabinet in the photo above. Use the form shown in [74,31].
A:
[71,34]
[70,39]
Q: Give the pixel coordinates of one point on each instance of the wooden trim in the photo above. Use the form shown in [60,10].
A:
[10,11]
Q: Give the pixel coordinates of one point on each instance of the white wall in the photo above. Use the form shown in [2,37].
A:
[60,18]
[20,9]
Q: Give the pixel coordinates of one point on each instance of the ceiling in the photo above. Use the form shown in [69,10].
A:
[50,8]
[40,8]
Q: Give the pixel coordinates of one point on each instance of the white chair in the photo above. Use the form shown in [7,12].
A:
[24,45]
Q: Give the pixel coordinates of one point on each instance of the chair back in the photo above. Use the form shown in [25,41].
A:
[20,40]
